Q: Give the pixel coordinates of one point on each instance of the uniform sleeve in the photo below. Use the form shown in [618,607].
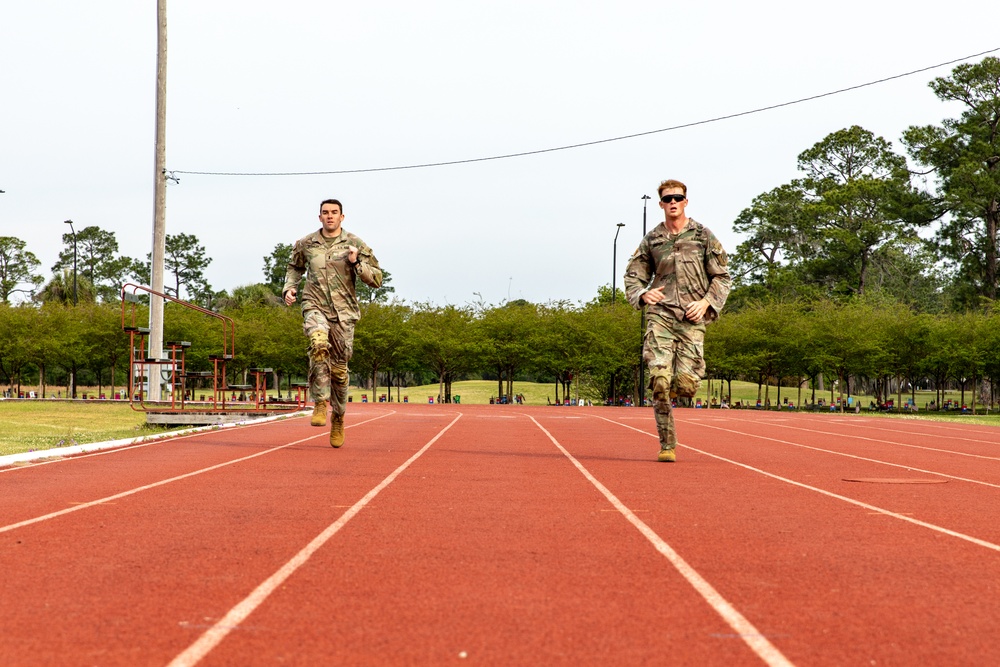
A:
[717,270]
[296,269]
[368,269]
[638,273]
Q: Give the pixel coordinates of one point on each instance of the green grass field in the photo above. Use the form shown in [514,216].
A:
[35,425]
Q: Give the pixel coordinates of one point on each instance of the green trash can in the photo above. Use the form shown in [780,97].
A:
[457,398]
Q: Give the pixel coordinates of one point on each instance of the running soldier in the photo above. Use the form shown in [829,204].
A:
[331,259]
[680,272]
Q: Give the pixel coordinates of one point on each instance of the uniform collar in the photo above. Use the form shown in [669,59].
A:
[661,229]
[319,238]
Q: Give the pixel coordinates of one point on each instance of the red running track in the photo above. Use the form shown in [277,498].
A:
[502,535]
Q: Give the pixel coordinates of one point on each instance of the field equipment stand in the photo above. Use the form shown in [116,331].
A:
[171,371]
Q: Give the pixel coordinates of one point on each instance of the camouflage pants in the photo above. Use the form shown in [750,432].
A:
[674,353]
[328,374]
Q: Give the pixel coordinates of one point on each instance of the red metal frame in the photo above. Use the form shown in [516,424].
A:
[139,361]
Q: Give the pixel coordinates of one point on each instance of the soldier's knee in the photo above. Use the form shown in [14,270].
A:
[685,385]
[659,382]
[319,345]
[339,373]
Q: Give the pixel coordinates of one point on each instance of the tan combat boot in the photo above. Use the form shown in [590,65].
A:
[319,413]
[666,456]
[337,431]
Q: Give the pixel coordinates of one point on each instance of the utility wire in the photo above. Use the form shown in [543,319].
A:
[588,143]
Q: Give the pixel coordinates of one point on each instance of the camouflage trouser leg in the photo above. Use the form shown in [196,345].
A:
[674,352]
[331,344]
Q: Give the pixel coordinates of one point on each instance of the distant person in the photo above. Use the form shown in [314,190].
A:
[331,259]
[680,272]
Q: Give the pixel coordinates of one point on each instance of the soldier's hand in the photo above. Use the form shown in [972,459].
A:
[352,254]
[654,295]
[696,310]
[290,296]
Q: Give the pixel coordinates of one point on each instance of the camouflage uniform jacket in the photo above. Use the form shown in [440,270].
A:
[690,265]
[330,278]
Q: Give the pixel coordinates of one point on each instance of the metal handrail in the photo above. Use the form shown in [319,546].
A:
[130,294]
[228,325]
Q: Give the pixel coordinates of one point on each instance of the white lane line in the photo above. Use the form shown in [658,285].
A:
[743,628]
[929,423]
[900,444]
[853,456]
[922,423]
[124,494]
[214,635]
[831,451]
[87,450]
[873,508]
[867,425]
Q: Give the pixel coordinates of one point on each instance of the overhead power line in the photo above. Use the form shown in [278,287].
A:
[588,143]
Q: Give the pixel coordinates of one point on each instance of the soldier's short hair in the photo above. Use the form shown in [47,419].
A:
[670,184]
[331,201]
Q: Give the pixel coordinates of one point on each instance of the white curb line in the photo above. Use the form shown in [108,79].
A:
[58,452]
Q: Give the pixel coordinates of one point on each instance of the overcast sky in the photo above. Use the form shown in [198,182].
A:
[311,85]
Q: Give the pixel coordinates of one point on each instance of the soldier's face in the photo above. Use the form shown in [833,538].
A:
[673,208]
[331,217]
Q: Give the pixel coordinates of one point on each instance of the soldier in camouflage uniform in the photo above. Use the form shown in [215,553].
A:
[679,271]
[331,260]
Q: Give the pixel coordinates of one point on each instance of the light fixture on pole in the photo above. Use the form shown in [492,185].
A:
[645,200]
[614,265]
[642,323]
[70,223]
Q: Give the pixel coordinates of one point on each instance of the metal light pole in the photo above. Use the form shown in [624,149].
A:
[642,323]
[614,297]
[614,266]
[155,349]
[71,390]
[70,223]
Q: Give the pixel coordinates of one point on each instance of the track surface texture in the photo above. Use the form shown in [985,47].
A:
[503,535]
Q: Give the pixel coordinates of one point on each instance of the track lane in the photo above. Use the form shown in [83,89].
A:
[54,487]
[957,504]
[921,427]
[759,644]
[977,439]
[829,582]
[136,580]
[131,582]
[964,455]
[491,544]
[238,614]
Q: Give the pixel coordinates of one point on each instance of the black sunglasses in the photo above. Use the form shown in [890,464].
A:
[670,198]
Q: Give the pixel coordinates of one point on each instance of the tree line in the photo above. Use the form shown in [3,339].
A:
[396,344]
[870,345]
[873,268]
